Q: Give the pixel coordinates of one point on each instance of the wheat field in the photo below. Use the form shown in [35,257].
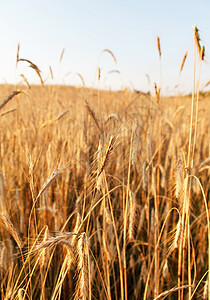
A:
[104,195]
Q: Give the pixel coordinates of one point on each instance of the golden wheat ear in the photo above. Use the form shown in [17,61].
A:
[197,38]
[157,93]
[33,66]
[183,61]
[61,56]
[93,115]
[111,53]
[102,164]
[131,216]
[82,265]
[8,225]
[158,45]
[179,178]
[25,80]
[17,55]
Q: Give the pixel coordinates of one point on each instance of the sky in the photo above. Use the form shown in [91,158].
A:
[129,29]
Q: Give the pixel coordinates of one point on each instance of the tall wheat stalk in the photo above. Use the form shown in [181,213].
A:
[187,185]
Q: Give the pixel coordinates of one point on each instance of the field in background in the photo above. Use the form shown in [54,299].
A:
[109,167]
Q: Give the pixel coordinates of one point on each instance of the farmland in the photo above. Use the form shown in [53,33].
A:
[97,198]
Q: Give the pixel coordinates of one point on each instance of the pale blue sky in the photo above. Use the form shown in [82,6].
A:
[84,28]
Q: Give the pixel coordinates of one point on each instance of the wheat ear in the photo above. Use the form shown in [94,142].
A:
[183,62]
[104,162]
[10,228]
[92,113]
[82,251]
[197,39]
[131,215]
[158,45]
[111,53]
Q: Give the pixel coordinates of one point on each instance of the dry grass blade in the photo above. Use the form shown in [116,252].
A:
[33,66]
[8,112]
[183,61]
[4,102]
[59,117]
[111,53]
[62,114]
[175,289]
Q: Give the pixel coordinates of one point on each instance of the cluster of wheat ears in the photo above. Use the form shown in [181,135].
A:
[103,195]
